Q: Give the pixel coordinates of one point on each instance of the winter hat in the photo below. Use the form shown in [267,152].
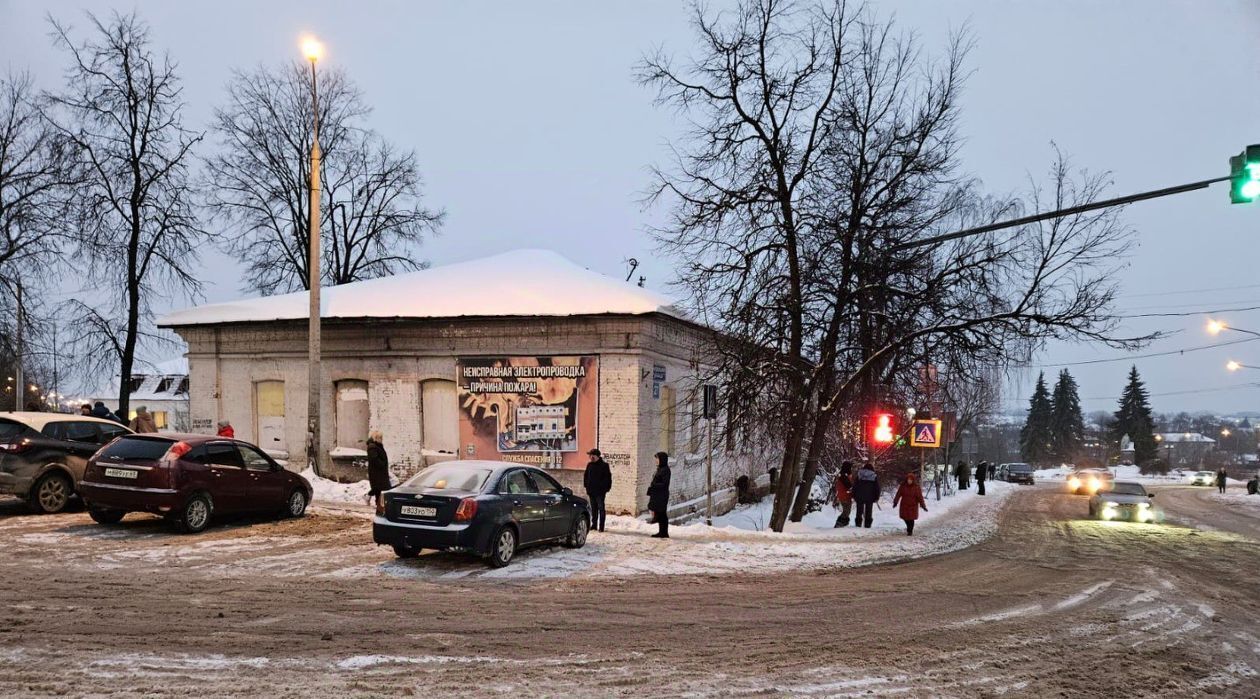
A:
[846,467]
[594,452]
[224,423]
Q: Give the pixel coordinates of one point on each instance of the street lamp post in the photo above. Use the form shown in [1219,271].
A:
[312,49]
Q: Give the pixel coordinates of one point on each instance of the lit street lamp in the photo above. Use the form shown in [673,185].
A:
[313,51]
[1235,366]
[1214,327]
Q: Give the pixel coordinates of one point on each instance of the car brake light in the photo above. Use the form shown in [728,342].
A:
[16,447]
[177,450]
[466,510]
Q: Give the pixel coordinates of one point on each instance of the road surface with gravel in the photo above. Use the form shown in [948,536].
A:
[1053,605]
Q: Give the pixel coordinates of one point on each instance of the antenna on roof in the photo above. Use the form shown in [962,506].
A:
[634,264]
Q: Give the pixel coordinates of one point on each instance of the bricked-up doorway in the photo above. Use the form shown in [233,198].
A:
[352,414]
[439,415]
[269,416]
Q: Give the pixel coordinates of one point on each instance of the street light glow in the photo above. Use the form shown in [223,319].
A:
[1214,327]
[312,49]
[1232,365]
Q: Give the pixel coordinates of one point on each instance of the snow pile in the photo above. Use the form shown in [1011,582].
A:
[736,546]
[516,283]
[753,521]
[332,491]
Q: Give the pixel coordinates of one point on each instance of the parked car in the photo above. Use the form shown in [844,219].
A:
[1019,473]
[1087,481]
[1122,500]
[42,455]
[487,508]
[188,478]
[1202,478]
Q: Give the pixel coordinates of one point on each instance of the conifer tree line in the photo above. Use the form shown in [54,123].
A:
[1054,430]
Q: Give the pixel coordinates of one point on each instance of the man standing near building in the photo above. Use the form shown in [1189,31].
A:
[865,493]
[963,473]
[982,472]
[598,481]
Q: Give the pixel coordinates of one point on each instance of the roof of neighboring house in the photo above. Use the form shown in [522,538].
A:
[517,283]
[162,381]
[1179,437]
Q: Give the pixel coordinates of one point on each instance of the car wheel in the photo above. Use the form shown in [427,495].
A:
[577,533]
[405,551]
[295,506]
[51,493]
[103,516]
[503,547]
[194,517]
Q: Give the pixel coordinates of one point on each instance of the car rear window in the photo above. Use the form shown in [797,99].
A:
[450,477]
[10,429]
[136,448]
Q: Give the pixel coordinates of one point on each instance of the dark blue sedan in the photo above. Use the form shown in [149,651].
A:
[488,508]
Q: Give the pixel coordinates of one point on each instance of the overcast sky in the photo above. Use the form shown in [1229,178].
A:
[532,133]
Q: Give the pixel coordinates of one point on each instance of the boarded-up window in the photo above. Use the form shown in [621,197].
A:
[439,415]
[269,409]
[352,414]
[669,420]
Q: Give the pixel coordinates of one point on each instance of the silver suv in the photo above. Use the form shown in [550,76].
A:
[42,455]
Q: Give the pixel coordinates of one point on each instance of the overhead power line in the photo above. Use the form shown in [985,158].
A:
[1207,311]
[1149,355]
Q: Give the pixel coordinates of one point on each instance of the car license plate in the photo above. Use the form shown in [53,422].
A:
[121,473]
[412,511]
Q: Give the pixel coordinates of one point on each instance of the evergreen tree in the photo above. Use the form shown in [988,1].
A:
[1035,438]
[1134,419]
[1067,424]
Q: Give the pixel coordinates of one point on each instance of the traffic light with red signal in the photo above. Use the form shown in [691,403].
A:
[882,431]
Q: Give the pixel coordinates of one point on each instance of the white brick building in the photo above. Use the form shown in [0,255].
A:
[419,356]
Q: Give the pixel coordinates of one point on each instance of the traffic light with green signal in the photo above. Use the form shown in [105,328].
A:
[1244,176]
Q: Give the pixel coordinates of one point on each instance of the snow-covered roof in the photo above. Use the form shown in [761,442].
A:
[517,283]
[161,381]
[1177,437]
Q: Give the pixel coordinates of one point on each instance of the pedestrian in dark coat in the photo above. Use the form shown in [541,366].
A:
[1253,485]
[598,481]
[910,497]
[99,410]
[982,472]
[842,491]
[963,473]
[378,469]
[865,493]
[658,496]
[86,410]
[1221,479]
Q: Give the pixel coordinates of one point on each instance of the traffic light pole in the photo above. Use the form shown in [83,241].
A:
[1059,213]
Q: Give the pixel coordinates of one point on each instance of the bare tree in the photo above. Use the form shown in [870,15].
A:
[121,110]
[257,183]
[824,146]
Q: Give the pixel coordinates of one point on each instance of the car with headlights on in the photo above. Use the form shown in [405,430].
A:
[1088,481]
[42,455]
[1018,473]
[487,508]
[188,478]
[1202,478]
[1122,500]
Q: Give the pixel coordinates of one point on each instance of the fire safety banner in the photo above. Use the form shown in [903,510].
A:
[534,410]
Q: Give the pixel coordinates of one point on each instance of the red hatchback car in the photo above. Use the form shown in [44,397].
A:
[188,478]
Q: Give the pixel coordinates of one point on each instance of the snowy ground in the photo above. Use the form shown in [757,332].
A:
[738,542]
[331,491]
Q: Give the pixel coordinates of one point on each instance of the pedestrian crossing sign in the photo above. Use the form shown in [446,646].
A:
[926,434]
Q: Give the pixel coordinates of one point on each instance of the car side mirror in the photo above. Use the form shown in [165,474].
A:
[1150,495]
[566,491]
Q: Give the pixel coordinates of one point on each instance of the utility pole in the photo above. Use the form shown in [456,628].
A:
[710,416]
[312,49]
[19,391]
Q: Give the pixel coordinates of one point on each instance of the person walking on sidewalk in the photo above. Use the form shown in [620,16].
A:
[865,493]
[1222,477]
[910,498]
[658,496]
[963,473]
[598,481]
[982,472]
[378,469]
[842,491]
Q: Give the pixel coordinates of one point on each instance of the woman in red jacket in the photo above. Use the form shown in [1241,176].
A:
[910,497]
